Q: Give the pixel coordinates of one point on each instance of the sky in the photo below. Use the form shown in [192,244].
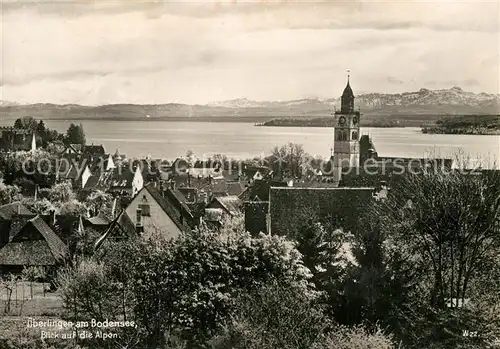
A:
[145,52]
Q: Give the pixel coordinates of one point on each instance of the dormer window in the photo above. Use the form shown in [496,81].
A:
[144,207]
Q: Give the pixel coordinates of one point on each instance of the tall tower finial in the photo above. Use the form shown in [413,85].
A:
[348,74]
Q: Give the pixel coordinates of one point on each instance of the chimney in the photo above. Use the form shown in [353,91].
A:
[52,217]
[172,184]
[113,208]
[209,179]
[189,179]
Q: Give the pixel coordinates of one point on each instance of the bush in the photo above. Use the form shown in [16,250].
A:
[88,292]
[276,316]
[356,338]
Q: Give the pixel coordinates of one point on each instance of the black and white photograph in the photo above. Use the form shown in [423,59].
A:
[226,174]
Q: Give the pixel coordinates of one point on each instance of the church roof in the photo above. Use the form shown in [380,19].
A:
[348,91]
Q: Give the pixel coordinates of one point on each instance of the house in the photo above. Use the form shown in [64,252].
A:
[214,217]
[77,171]
[36,244]
[125,180]
[73,149]
[230,205]
[12,217]
[254,173]
[15,139]
[153,211]
[235,188]
[97,223]
[259,190]
[291,208]
[96,151]
[122,228]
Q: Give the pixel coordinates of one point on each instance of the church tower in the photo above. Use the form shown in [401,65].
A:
[346,133]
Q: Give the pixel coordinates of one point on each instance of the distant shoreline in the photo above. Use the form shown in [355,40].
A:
[485,125]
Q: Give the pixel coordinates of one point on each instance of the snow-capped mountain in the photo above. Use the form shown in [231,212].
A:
[425,103]
[452,96]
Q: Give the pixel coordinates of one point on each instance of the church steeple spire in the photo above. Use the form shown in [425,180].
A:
[347,98]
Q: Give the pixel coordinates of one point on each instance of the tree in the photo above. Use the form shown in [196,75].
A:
[75,134]
[425,250]
[451,224]
[61,193]
[87,291]
[26,122]
[287,160]
[189,284]
[8,193]
[99,202]
[274,316]
[31,274]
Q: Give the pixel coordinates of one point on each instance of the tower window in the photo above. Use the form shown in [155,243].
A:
[338,135]
[354,135]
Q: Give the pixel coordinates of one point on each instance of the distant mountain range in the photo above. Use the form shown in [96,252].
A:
[427,104]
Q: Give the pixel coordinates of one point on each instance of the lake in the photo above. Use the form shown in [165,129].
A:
[170,139]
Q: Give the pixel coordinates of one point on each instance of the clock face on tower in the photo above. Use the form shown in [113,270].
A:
[342,120]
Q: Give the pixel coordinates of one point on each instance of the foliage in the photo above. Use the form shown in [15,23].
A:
[61,192]
[31,274]
[75,135]
[274,316]
[356,338]
[88,292]
[33,165]
[430,241]
[9,283]
[55,148]
[42,207]
[26,122]
[451,227]
[287,160]
[99,202]
[8,193]
[189,284]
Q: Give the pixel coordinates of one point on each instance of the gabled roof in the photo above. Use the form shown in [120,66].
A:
[9,210]
[99,220]
[172,203]
[235,188]
[94,149]
[259,190]
[122,178]
[35,244]
[232,204]
[77,148]
[121,227]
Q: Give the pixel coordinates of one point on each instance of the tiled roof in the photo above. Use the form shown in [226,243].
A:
[235,188]
[259,190]
[232,204]
[94,149]
[9,210]
[76,147]
[28,249]
[121,227]
[99,220]
[173,206]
